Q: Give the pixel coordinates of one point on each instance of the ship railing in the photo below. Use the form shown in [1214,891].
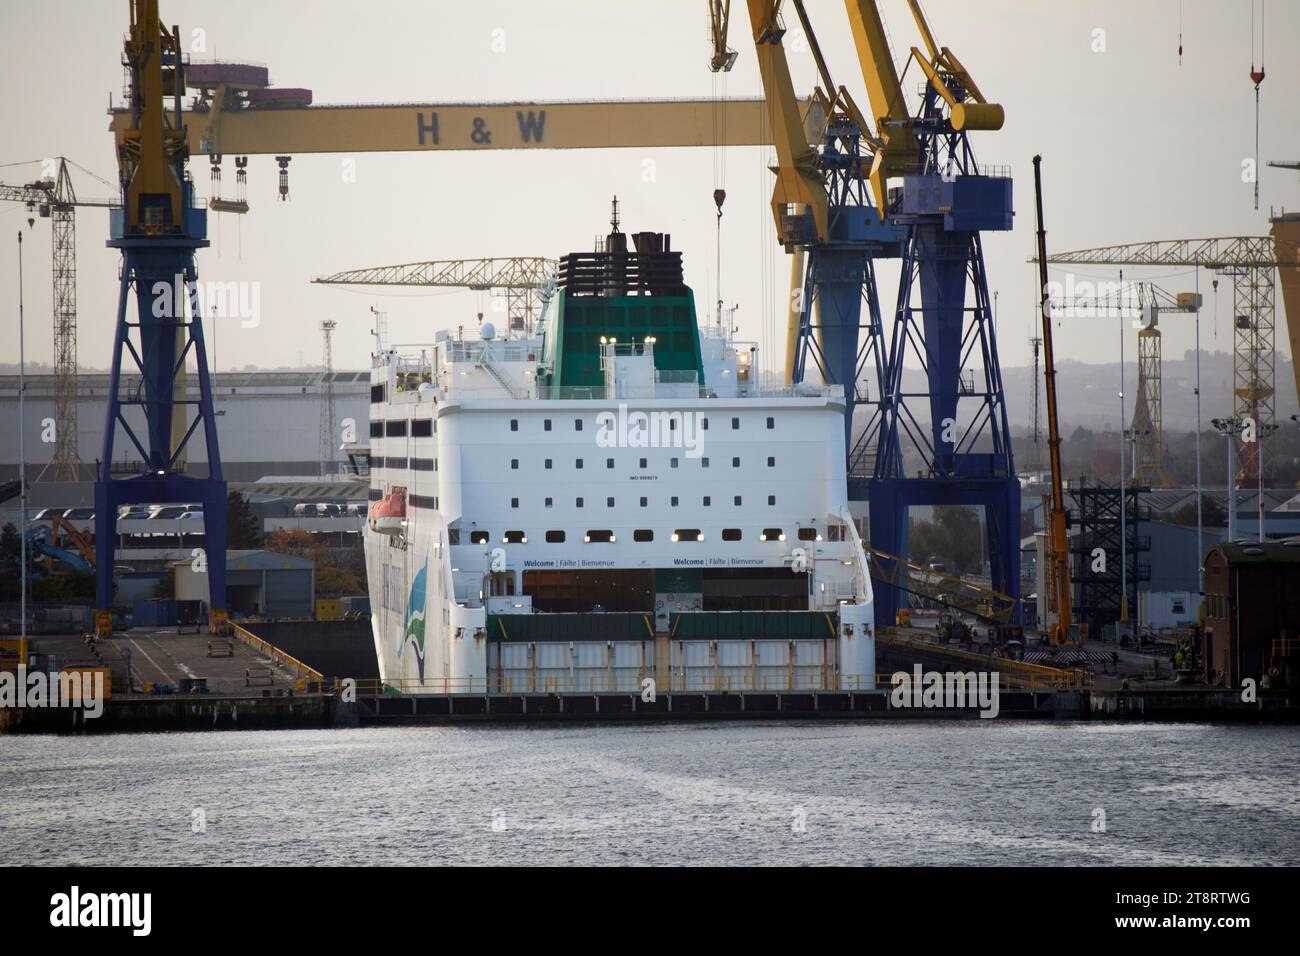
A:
[412,360]
[571,392]
[676,376]
[492,350]
[1015,675]
[601,393]
[1006,681]
[806,678]
[304,672]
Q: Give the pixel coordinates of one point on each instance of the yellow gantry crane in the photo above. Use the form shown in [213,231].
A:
[235,111]
[896,149]
[897,145]
[724,58]
[888,130]
[800,185]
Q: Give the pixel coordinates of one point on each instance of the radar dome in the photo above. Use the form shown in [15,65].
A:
[487,330]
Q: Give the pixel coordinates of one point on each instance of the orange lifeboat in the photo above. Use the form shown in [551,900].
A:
[388,514]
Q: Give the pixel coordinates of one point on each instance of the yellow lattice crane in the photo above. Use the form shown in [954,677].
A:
[719,20]
[55,198]
[1250,261]
[1147,428]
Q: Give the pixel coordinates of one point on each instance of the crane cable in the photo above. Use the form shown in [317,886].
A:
[1257,77]
[766,158]
[719,81]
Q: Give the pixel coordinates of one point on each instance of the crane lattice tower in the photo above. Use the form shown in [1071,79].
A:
[1148,415]
[66,463]
[328,439]
[1250,261]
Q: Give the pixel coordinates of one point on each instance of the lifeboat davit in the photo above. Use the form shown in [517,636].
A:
[388,514]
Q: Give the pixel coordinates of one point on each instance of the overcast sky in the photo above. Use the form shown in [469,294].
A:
[1135,145]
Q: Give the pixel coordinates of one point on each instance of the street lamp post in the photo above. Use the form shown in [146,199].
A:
[1200,523]
[1262,431]
[22,449]
[1123,500]
[1227,427]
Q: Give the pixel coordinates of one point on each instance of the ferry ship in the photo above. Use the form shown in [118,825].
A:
[609,501]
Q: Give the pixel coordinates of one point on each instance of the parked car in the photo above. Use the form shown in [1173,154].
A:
[80,514]
[168,512]
[49,514]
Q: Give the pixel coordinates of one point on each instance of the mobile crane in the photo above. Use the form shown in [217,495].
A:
[1057,523]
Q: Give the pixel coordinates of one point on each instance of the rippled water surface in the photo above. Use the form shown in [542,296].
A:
[991,792]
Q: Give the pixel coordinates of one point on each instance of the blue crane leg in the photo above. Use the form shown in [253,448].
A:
[838,276]
[888,533]
[941,272]
[158,354]
[155,270]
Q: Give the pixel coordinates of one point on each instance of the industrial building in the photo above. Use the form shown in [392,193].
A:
[275,413]
[258,584]
[1170,597]
[1252,613]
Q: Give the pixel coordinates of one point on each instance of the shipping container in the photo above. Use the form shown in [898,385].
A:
[329,609]
[156,613]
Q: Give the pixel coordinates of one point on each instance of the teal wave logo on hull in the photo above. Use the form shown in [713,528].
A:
[413,626]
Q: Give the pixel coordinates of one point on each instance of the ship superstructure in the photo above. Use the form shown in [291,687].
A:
[607,499]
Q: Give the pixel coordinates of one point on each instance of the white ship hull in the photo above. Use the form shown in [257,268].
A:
[680,527]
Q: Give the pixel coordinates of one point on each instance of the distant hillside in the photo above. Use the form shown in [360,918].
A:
[1089,393]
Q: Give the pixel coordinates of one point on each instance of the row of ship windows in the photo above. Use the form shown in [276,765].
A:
[673,502]
[672,423]
[641,535]
[431,464]
[420,428]
[417,464]
[643,463]
[425,427]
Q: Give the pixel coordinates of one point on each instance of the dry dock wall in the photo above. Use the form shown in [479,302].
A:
[285,712]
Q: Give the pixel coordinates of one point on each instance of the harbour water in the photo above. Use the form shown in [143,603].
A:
[930,793]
